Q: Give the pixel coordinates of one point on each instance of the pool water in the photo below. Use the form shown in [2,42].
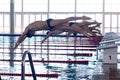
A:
[54,49]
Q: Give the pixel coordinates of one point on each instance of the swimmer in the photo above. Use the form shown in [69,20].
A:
[44,25]
[73,28]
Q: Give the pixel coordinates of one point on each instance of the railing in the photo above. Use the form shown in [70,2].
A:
[23,66]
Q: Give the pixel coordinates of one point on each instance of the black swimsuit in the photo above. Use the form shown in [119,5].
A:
[48,23]
[70,24]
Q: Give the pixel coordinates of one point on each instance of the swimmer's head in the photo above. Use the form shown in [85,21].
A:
[30,33]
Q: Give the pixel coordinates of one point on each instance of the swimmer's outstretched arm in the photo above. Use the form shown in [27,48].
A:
[50,33]
[47,36]
[21,39]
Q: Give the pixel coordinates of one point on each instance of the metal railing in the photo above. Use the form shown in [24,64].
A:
[23,66]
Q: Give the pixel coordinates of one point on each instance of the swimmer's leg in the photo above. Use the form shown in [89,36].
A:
[63,21]
[76,29]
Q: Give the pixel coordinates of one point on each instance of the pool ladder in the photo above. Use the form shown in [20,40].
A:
[23,66]
[0,78]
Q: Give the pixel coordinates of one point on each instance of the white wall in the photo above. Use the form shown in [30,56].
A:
[110,55]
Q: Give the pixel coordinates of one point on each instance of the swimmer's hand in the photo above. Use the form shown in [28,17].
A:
[16,45]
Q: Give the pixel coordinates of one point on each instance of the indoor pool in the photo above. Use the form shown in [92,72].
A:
[58,58]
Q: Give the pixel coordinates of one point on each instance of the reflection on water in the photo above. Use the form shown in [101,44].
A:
[66,71]
[73,73]
[11,46]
